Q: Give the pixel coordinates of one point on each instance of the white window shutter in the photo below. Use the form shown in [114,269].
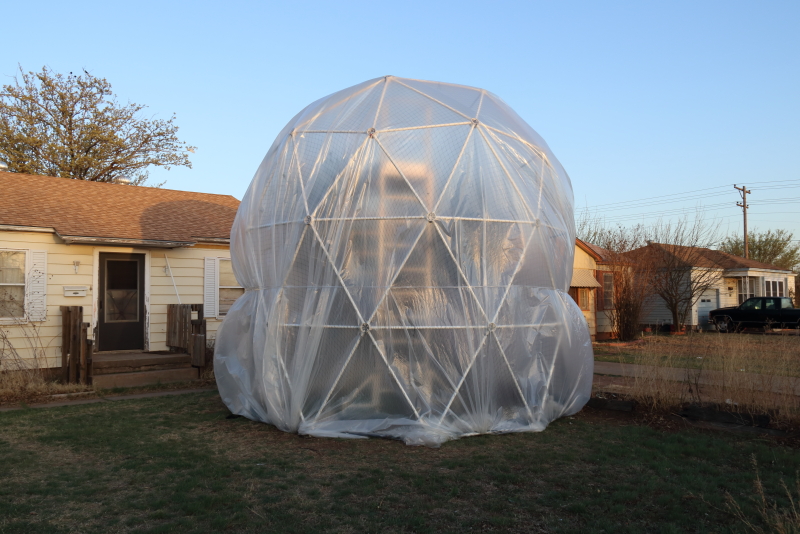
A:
[36,286]
[210,288]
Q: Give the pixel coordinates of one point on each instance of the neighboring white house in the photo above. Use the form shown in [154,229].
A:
[739,279]
[122,252]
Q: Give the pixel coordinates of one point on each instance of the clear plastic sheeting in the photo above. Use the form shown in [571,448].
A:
[406,247]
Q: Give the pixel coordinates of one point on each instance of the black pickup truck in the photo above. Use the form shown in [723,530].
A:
[757,312]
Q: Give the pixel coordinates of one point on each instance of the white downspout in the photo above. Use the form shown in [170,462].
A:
[169,270]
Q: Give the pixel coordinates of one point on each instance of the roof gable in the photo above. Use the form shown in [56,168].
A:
[591,250]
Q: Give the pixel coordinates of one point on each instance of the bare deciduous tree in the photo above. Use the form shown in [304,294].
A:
[631,289]
[74,127]
[681,268]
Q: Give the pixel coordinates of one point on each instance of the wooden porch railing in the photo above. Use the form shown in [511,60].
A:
[76,350]
[185,334]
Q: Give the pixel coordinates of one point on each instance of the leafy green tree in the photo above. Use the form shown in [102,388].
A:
[74,127]
[773,246]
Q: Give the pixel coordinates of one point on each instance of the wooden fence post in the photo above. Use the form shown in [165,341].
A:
[89,358]
[76,315]
[65,337]
[185,334]
[82,351]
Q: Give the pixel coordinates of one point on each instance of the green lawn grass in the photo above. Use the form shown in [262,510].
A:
[176,464]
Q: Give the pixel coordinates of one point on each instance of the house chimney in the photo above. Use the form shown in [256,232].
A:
[122,181]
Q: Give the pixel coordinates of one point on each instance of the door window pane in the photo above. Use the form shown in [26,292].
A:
[122,291]
[747,288]
[122,274]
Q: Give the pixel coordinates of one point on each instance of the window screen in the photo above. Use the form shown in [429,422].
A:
[229,288]
[12,283]
[583,298]
[608,291]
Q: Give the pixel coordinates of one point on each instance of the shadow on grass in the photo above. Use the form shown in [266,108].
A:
[177,464]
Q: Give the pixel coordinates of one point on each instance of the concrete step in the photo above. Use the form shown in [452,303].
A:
[144,378]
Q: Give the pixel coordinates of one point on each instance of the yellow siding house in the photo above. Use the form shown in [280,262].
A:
[120,251]
[584,285]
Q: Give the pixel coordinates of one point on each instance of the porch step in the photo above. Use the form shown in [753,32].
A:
[144,378]
[131,362]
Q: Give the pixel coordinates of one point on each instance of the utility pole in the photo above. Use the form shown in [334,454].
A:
[743,204]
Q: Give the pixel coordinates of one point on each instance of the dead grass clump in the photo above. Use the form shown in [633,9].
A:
[28,385]
[751,374]
[779,519]
[25,379]
[208,371]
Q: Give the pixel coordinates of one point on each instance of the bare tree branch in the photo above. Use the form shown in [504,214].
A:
[74,127]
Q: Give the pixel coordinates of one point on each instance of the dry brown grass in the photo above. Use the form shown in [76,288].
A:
[31,385]
[778,518]
[27,379]
[748,373]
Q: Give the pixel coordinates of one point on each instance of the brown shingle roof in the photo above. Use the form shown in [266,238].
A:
[714,259]
[93,209]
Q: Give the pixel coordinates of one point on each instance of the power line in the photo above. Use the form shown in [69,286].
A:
[661,197]
[657,215]
[688,195]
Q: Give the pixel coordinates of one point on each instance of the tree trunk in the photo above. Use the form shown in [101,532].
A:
[676,322]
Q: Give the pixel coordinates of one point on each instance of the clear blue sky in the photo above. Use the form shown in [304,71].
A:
[636,99]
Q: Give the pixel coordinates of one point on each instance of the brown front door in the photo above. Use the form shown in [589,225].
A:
[120,324]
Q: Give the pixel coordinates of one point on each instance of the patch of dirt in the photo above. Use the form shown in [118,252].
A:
[669,421]
[64,393]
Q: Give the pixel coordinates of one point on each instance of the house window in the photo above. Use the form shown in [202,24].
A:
[12,283]
[608,291]
[229,289]
[583,298]
[747,288]
[773,288]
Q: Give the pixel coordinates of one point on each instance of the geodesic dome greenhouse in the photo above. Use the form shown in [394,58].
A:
[405,247]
